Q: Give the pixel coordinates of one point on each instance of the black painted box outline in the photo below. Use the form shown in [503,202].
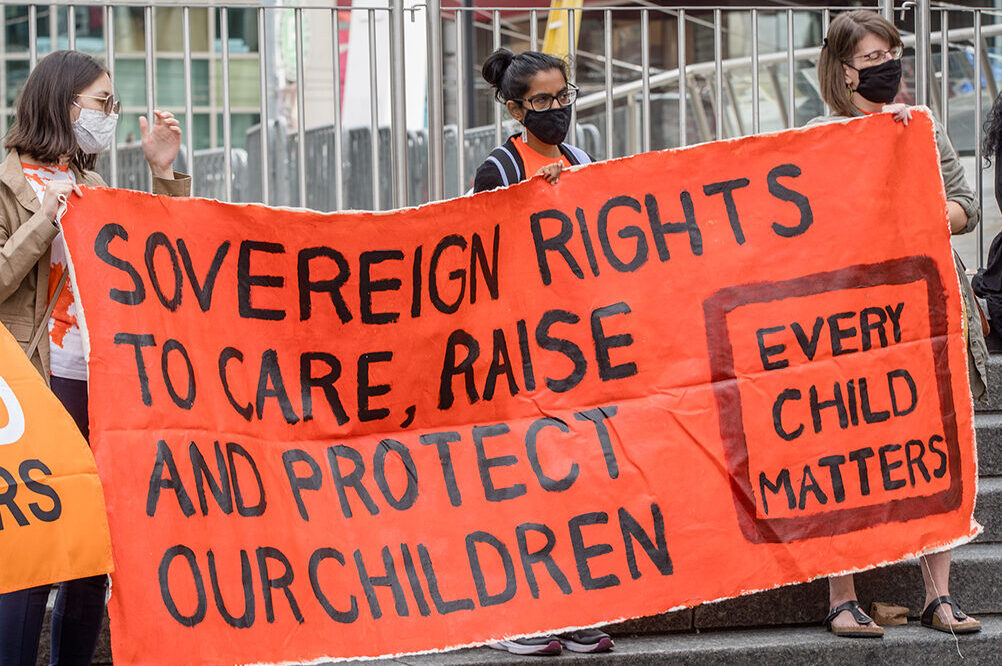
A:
[728,397]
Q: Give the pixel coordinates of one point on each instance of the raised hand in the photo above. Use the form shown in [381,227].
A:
[161,143]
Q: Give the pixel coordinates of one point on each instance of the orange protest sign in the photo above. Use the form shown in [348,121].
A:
[668,379]
[52,521]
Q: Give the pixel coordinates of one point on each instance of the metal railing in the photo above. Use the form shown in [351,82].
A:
[652,77]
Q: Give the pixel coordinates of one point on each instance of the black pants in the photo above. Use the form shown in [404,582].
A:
[79,609]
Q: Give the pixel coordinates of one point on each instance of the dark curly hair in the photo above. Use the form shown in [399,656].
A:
[993,132]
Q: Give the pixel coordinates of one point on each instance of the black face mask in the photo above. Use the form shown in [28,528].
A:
[880,83]
[550,126]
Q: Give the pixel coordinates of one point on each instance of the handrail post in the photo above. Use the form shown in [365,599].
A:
[436,140]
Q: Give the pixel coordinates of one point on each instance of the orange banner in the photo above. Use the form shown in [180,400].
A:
[52,521]
[668,379]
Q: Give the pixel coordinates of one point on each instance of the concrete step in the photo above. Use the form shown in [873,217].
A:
[975,582]
[993,402]
[988,429]
[988,510]
[907,645]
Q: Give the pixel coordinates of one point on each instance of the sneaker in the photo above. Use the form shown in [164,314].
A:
[530,645]
[586,640]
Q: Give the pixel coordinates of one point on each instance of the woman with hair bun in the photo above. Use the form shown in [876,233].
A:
[536,92]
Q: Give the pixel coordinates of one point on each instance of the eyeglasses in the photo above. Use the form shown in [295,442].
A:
[110,104]
[877,57]
[544,101]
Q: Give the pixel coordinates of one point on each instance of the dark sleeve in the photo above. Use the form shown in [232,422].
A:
[488,178]
[998,176]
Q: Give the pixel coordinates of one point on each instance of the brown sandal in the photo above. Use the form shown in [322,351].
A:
[862,628]
[963,625]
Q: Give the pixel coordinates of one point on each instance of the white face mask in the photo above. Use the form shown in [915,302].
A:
[94,130]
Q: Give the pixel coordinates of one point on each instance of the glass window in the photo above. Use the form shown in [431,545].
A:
[17,74]
[170,82]
[16,26]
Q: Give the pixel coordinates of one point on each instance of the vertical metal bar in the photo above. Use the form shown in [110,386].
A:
[264,124]
[609,102]
[436,103]
[189,114]
[826,19]
[53,28]
[109,54]
[754,71]
[886,10]
[71,28]
[718,73]
[496,28]
[300,108]
[32,36]
[683,88]
[373,110]
[461,66]
[534,30]
[572,52]
[398,104]
[224,37]
[791,73]
[645,66]
[944,68]
[151,101]
[922,52]
[978,120]
[338,138]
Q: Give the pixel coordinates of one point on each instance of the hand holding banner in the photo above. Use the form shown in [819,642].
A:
[668,379]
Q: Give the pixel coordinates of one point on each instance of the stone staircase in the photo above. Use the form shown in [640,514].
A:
[785,624]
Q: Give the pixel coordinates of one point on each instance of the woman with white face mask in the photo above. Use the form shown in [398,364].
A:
[66,115]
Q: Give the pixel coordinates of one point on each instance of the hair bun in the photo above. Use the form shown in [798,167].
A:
[495,66]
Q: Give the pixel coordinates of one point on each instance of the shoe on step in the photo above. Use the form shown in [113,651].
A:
[542,645]
[586,640]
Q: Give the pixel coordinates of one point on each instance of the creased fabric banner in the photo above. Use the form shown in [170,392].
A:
[672,378]
[52,521]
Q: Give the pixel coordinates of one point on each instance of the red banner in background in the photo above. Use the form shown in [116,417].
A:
[668,379]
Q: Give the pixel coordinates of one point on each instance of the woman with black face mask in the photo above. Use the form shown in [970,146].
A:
[859,71]
[535,90]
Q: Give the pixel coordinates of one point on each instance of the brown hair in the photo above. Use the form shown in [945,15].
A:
[42,127]
[844,34]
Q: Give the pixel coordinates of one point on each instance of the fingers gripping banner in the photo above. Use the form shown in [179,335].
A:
[52,520]
[672,378]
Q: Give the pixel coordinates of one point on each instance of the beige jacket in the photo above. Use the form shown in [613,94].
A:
[25,237]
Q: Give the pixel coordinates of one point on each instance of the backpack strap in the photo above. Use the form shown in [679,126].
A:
[575,154]
[506,159]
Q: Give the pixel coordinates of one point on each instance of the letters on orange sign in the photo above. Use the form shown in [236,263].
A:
[668,379]
[52,516]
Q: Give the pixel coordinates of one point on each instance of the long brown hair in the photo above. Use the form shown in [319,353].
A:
[844,34]
[42,127]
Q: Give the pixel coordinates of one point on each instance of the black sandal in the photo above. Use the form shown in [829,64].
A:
[963,625]
[862,630]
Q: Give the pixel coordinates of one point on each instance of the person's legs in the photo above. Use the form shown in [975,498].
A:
[76,620]
[79,609]
[21,617]
[842,589]
[936,576]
